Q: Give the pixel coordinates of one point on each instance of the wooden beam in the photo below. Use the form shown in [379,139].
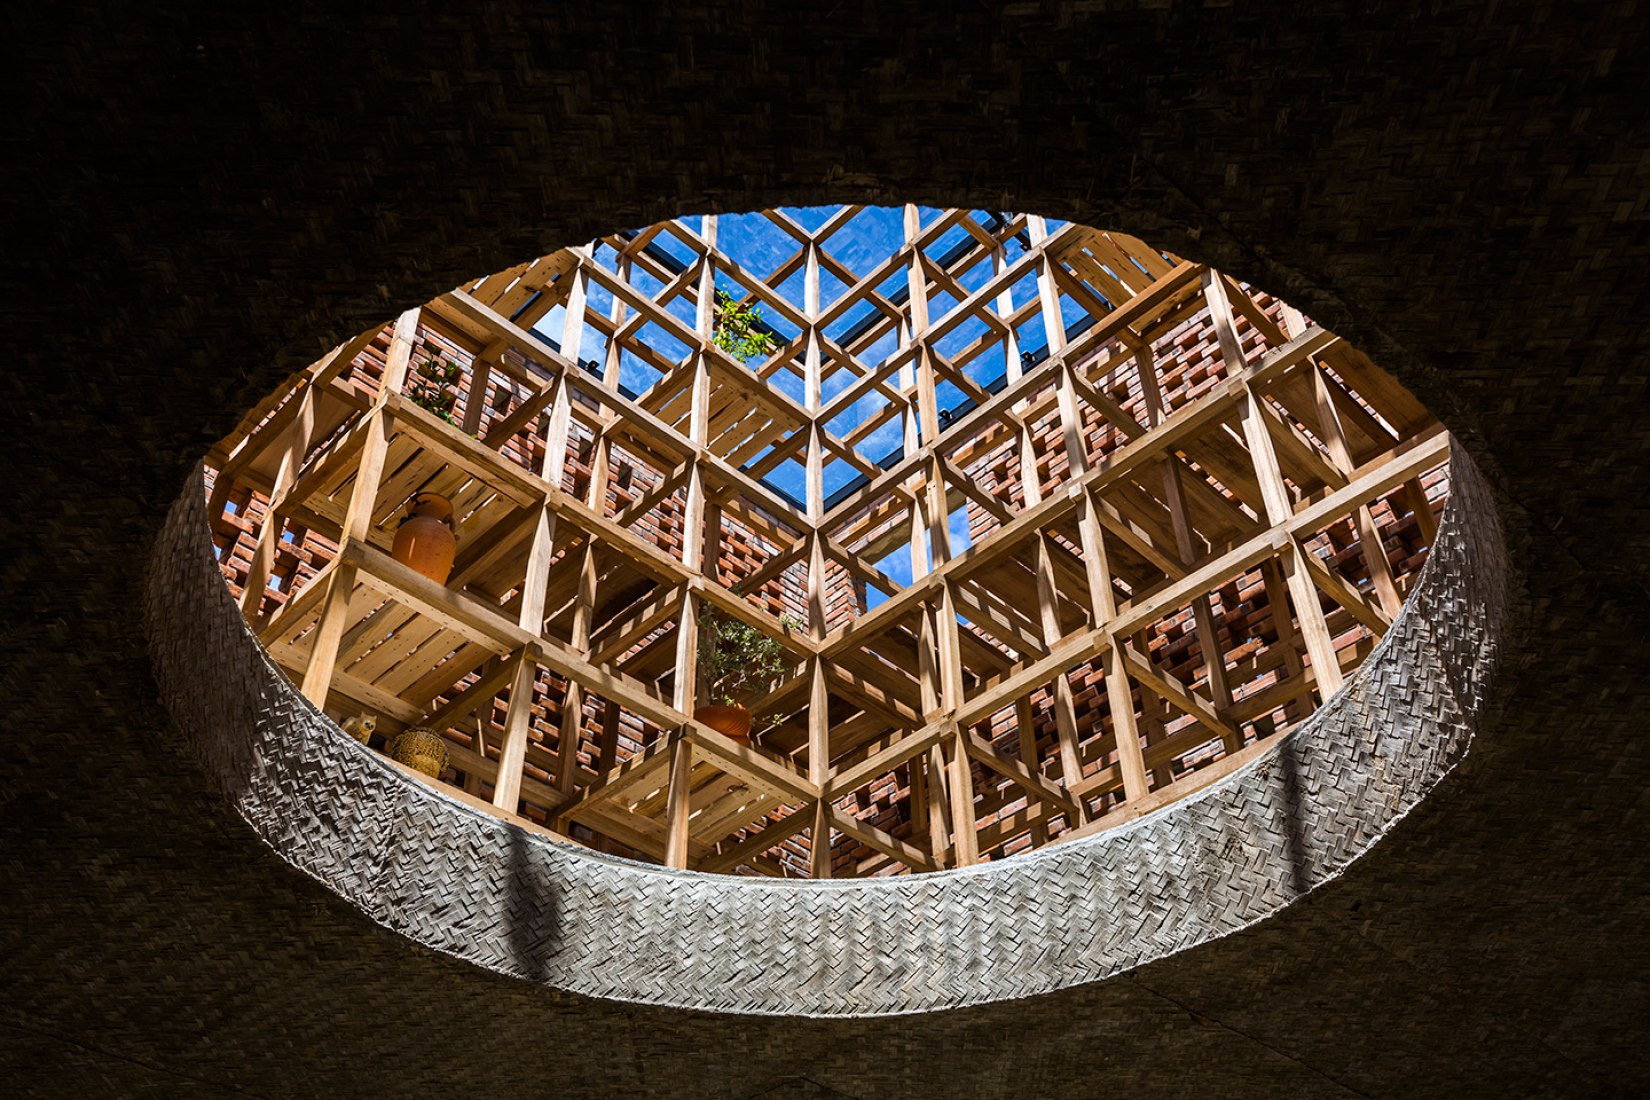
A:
[482,691]
[640,768]
[881,841]
[1018,772]
[1178,695]
[323,653]
[1337,588]
[751,764]
[758,842]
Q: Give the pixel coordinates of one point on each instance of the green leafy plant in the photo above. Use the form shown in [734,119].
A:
[735,659]
[434,388]
[735,331]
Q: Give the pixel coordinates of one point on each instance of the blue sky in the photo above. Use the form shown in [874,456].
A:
[867,240]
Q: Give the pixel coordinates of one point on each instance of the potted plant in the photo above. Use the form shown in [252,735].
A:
[736,330]
[736,663]
[432,388]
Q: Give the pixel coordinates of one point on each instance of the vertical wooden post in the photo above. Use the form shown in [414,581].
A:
[1054,326]
[513,744]
[819,769]
[535,581]
[916,282]
[369,471]
[323,654]
[917,526]
[1119,691]
[610,738]
[1320,645]
[1277,600]
[939,808]
[1048,295]
[934,784]
[1005,310]
[1369,534]
[918,809]
[1025,721]
[965,840]
[948,768]
[269,535]
[1416,495]
[1065,705]
[679,803]
[693,517]
[1120,696]
[571,730]
[1031,486]
[613,359]
[814,381]
[611,718]
[910,421]
[557,434]
[557,443]
[475,395]
[681,752]
[679,797]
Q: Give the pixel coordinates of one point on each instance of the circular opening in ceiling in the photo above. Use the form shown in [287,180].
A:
[943,534]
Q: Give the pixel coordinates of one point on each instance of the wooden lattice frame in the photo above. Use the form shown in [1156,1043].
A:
[1117,506]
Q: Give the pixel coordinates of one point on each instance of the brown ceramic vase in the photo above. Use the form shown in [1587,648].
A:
[734,722]
[425,541]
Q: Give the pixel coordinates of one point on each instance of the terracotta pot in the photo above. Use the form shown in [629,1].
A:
[734,722]
[425,541]
[421,748]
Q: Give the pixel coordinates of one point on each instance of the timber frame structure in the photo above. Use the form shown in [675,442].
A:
[1181,505]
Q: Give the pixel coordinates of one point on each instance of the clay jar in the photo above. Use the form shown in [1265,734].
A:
[425,541]
[734,722]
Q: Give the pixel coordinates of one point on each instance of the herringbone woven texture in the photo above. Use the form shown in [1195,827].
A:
[470,885]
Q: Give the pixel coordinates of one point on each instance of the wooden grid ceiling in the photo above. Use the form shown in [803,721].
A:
[1181,497]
